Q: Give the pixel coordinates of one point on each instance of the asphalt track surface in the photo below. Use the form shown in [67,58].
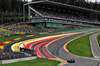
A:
[8,48]
[56,50]
[59,52]
[95,46]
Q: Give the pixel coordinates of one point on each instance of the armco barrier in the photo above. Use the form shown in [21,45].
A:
[16,60]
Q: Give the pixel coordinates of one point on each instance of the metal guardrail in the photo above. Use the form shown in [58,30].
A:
[6,55]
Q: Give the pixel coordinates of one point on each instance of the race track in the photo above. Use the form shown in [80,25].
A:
[52,47]
[95,46]
[59,52]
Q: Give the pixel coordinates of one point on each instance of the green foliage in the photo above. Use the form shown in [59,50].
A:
[11,10]
[81,46]
[35,62]
[98,39]
[4,39]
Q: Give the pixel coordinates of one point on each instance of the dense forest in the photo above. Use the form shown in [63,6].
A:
[12,10]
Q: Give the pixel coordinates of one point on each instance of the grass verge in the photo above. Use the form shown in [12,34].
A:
[35,62]
[4,39]
[98,39]
[81,46]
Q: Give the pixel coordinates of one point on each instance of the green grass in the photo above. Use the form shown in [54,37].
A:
[4,39]
[98,39]
[35,62]
[81,46]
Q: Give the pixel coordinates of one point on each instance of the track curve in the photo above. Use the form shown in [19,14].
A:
[95,46]
[52,47]
[61,53]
